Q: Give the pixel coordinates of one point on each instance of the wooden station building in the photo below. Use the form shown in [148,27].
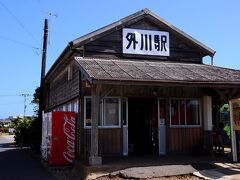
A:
[139,86]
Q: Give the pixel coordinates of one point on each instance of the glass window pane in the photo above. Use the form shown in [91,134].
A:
[76,106]
[111,112]
[174,112]
[182,112]
[88,112]
[192,110]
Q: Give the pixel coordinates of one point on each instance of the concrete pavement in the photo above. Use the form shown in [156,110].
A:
[223,171]
[190,167]
[171,172]
[16,163]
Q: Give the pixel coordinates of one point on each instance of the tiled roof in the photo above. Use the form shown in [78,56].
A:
[154,71]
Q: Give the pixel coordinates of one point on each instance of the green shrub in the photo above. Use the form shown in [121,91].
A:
[5,130]
[227,129]
[35,131]
[21,126]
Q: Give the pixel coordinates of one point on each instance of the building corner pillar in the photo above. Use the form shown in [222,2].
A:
[207,123]
[94,158]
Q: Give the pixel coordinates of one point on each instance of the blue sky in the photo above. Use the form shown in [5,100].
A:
[214,23]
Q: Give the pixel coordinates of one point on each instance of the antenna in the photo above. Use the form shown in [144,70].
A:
[51,14]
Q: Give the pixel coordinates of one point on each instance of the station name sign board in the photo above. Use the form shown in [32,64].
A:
[145,42]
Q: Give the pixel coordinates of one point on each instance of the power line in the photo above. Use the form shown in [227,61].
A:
[19,22]
[7,95]
[18,42]
[11,103]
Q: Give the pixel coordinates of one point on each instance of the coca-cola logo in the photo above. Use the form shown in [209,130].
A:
[69,131]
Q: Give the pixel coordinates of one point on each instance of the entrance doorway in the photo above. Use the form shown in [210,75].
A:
[143,126]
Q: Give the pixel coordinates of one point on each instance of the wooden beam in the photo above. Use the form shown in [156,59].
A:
[94,159]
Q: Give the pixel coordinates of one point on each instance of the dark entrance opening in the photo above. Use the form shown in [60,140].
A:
[142,126]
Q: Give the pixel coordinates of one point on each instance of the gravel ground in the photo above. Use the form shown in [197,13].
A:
[189,177]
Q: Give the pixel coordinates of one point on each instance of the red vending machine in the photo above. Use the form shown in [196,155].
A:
[59,141]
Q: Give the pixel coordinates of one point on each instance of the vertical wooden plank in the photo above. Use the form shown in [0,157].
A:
[105,136]
[119,140]
[101,142]
[183,140]
[189,138]
[179,140]
[94,158]
[175,140]
[192,137]
[172,140]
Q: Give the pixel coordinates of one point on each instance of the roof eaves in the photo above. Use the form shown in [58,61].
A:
[87,75]
[160,83]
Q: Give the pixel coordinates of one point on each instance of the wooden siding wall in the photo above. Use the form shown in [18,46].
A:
[111,46]
[184,140]
[62,90]
[109,141]
[148,91]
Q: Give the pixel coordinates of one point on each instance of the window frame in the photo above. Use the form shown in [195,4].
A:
[102,118]
[185,106]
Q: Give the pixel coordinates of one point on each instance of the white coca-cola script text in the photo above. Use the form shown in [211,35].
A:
[69,131]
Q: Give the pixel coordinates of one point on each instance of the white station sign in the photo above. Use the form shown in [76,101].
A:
[145,42]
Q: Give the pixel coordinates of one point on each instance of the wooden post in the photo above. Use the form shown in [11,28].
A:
[94,159]
[207,110]
[207,123]
[233,134]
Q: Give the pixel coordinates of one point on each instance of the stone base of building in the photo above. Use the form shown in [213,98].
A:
[95,160]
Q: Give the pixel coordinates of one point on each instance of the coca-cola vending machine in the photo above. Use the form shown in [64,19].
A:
[58,138]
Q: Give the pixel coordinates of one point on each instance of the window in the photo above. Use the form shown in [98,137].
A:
[69,107]
[111,112]
[64,108]
[75,104]
[111,109]
[185,112]
[174,112]
[192,111]
[182,112]
[88,118]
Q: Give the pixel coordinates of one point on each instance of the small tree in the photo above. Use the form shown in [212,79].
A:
[35,129]
[1,124]
[22,126]
[36,99]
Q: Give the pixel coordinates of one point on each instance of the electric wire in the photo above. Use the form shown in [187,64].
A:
[18,42]
[7,95]
[19,22]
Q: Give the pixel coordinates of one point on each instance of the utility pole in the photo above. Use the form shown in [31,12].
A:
[43,68]
[25,106]
[44,50]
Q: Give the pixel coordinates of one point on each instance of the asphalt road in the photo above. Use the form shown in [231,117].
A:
[17,163]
